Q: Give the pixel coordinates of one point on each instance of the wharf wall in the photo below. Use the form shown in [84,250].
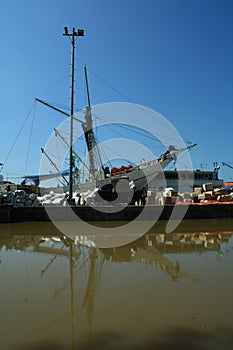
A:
[12,214]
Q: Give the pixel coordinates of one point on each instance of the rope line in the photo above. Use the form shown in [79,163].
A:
[17,136]
[30,139]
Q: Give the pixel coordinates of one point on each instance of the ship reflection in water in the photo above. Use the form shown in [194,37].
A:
[160,292]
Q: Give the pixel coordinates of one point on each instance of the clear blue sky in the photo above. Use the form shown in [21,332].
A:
[174,56]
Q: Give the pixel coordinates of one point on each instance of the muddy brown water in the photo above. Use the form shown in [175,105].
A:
[162,291]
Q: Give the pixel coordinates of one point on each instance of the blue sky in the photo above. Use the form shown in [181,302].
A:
[174,56]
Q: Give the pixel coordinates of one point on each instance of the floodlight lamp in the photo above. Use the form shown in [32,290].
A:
[80,32]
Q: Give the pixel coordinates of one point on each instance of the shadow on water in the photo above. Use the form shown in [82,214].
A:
[173,339]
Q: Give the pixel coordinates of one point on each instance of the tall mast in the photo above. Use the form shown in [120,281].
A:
[87,87]
[89,134]
[88,131]
[73,35]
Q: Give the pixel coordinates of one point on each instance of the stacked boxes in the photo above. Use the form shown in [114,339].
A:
[224,198]
[207,192]
[200,194]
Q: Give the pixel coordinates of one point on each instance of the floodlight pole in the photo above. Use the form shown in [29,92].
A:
[79,32]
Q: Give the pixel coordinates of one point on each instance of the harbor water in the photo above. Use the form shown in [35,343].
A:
[162,291]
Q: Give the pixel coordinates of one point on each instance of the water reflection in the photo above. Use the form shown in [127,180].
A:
[160,290]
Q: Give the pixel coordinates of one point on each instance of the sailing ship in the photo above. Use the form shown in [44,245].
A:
[137,176]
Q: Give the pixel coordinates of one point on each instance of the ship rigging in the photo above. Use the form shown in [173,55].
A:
[100,174]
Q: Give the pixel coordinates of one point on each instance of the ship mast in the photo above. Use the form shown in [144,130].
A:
[88,131]
[93,150]
[73,35]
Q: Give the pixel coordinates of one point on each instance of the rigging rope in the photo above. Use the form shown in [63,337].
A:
[129,128]
[110,86]
[17,136]
[30,140]
[125,97]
